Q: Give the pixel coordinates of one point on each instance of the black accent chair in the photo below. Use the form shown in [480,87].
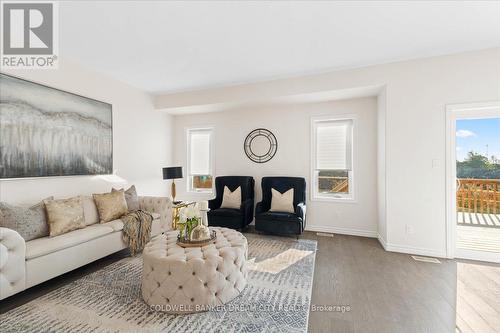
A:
[282,223]
[227,217]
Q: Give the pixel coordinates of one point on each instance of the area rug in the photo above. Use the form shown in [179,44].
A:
[276,298]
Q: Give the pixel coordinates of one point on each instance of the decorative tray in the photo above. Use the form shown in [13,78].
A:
[198,243]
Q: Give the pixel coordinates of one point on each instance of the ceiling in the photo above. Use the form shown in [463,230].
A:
[163,47]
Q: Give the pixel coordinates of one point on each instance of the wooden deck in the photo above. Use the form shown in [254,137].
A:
[478,219]
[478,238]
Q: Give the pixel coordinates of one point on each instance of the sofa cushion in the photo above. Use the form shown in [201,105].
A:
[225,212]
[116,225]
[111,206]
[278,216]
[90,212]
[30,223]
[64,215]
[42,246]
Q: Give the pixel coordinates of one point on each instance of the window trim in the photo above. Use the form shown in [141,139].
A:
[189,188]
[342,198]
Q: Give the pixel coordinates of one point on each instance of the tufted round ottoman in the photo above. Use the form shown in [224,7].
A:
[185,280]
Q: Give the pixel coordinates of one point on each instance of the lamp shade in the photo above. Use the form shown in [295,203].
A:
[172,172]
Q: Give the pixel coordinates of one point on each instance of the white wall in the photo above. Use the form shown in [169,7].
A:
[141,138]
[416,95]
[291,126]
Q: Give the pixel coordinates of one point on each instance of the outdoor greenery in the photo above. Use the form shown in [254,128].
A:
[478,166]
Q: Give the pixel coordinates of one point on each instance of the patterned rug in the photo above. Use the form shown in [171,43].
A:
[276,298]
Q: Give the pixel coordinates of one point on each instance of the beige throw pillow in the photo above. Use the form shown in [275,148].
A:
[111,206]
[30,223]
[131,198]
[64,215]
[90,210]
[231,199]
[282,202]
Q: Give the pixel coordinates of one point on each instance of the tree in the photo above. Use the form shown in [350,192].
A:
[478,166]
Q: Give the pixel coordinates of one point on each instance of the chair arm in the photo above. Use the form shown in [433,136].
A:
[214,203]
[159,205]
[260,208]
[300,210]
[247,209]
[12,262]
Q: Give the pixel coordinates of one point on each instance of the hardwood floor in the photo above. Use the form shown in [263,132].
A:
[478,301]
[391,292]
[385,292]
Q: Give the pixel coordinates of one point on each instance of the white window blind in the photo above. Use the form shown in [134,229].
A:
[200,152]
[334,145]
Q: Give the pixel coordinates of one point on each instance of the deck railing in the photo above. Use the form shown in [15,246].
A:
[333,184]
[478,195]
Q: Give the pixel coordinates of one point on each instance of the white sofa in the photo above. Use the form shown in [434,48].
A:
[25,264]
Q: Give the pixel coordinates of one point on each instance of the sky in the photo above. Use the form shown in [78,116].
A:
[475,134]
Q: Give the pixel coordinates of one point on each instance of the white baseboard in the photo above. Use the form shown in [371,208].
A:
[342,231]
[382,241]
[411,250]
[373,234]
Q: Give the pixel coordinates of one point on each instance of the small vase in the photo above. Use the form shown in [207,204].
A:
[200,233]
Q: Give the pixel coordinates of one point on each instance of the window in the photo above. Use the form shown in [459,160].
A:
[332,160]
[200,160]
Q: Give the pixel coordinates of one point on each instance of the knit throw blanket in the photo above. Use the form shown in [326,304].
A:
[137,230]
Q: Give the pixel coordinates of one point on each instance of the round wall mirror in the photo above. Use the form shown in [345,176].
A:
[260,145]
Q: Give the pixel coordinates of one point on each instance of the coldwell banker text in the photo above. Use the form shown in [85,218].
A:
[29,32]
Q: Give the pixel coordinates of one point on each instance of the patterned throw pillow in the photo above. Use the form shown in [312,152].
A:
[131,198]
[64,215]
[30,223]
[111,206]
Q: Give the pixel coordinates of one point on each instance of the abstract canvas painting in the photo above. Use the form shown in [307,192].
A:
[49,132]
